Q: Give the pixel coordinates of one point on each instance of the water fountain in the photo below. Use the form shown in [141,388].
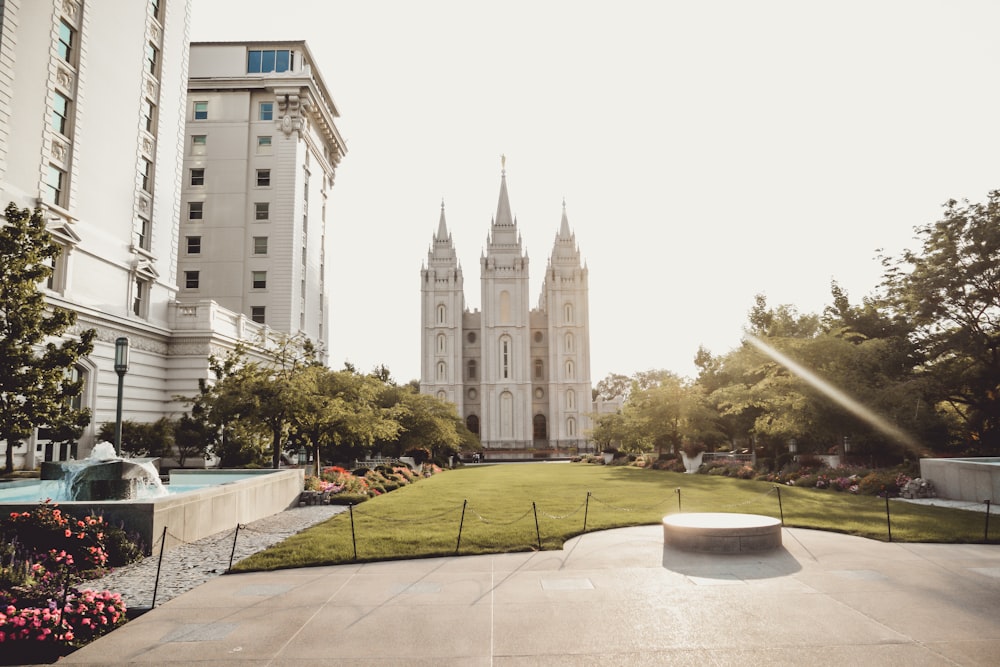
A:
[103,476]
[128,492]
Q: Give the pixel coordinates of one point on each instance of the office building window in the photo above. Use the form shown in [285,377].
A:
[198,140]
[196,210]
[264,144]
[144,233]
[57,279]
[258,314]
[260,245]
[152,58]
[149,115]
[60,114]
[52,192]
[259,62]
[201,110]
[258,279]
[198,176]
[140,297]
[155,4]
[194,245]
[539,369]
[147,175]
[261,210]
[66,38]
[472,369]
[265,111]
[263,178]
[191,279]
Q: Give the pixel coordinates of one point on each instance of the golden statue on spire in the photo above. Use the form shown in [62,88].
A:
[503,162]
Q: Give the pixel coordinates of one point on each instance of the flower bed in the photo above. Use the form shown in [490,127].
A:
[847,479]
[336,485]
[45,554]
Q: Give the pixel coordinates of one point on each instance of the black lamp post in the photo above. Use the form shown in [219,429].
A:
[121,367]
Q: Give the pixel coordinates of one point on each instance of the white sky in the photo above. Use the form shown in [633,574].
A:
[707,150]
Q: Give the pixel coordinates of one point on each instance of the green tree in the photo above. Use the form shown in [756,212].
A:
[950,291]
[341,412]
[35,382]
[610,431]
[672,412]
[154,439]
[427,421]
[192,437]
[613,386]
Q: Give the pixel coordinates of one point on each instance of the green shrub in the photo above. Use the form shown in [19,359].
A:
[348,498]
[882,483]
[420,454]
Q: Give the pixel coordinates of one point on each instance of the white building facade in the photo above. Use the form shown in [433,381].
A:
[519,376]
[93,104]
[260,154]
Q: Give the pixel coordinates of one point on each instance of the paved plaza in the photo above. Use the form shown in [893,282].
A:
[617,597]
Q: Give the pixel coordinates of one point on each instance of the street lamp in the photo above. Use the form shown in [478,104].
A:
[121,367]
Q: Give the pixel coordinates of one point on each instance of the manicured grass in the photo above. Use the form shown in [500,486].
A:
[423,519]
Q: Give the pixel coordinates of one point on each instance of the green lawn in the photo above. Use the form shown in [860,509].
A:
[501,504]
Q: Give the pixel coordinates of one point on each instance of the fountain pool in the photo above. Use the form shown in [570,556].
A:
[971,479]
[194,503]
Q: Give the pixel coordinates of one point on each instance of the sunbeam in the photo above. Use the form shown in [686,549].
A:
[837,395]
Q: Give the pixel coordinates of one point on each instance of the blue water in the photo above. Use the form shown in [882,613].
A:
[33,492]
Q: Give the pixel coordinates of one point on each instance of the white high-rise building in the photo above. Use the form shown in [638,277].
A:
[519,376]
[93,104]
[260,152]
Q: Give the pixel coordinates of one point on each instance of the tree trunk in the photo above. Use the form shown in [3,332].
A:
[12,441]
[8,466]
[276,449]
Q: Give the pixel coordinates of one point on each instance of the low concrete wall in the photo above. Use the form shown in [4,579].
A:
[972,479]
[192,515]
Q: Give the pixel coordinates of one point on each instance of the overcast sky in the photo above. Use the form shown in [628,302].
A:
[707,151]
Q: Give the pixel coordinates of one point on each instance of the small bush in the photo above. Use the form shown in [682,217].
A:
[879,483]
[419,454]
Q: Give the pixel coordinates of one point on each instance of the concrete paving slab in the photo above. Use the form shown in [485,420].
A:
[617,597]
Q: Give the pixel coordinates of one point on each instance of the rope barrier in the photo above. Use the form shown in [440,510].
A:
[498,523]
[559,517]
[412,519]
[751,501]
[633,509]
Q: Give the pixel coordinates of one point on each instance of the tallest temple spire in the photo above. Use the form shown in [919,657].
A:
[504,216]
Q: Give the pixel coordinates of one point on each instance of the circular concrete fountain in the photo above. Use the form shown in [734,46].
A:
[722,533]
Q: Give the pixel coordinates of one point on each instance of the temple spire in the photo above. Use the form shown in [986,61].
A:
[442,233]
[564,225]
[503,216]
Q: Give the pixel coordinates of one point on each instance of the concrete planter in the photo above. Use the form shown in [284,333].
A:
[692,463]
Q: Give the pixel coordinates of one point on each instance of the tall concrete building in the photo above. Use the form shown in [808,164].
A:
[519,376]
[93,106]
[260,152]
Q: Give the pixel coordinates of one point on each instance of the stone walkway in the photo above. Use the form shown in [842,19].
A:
[189,565]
